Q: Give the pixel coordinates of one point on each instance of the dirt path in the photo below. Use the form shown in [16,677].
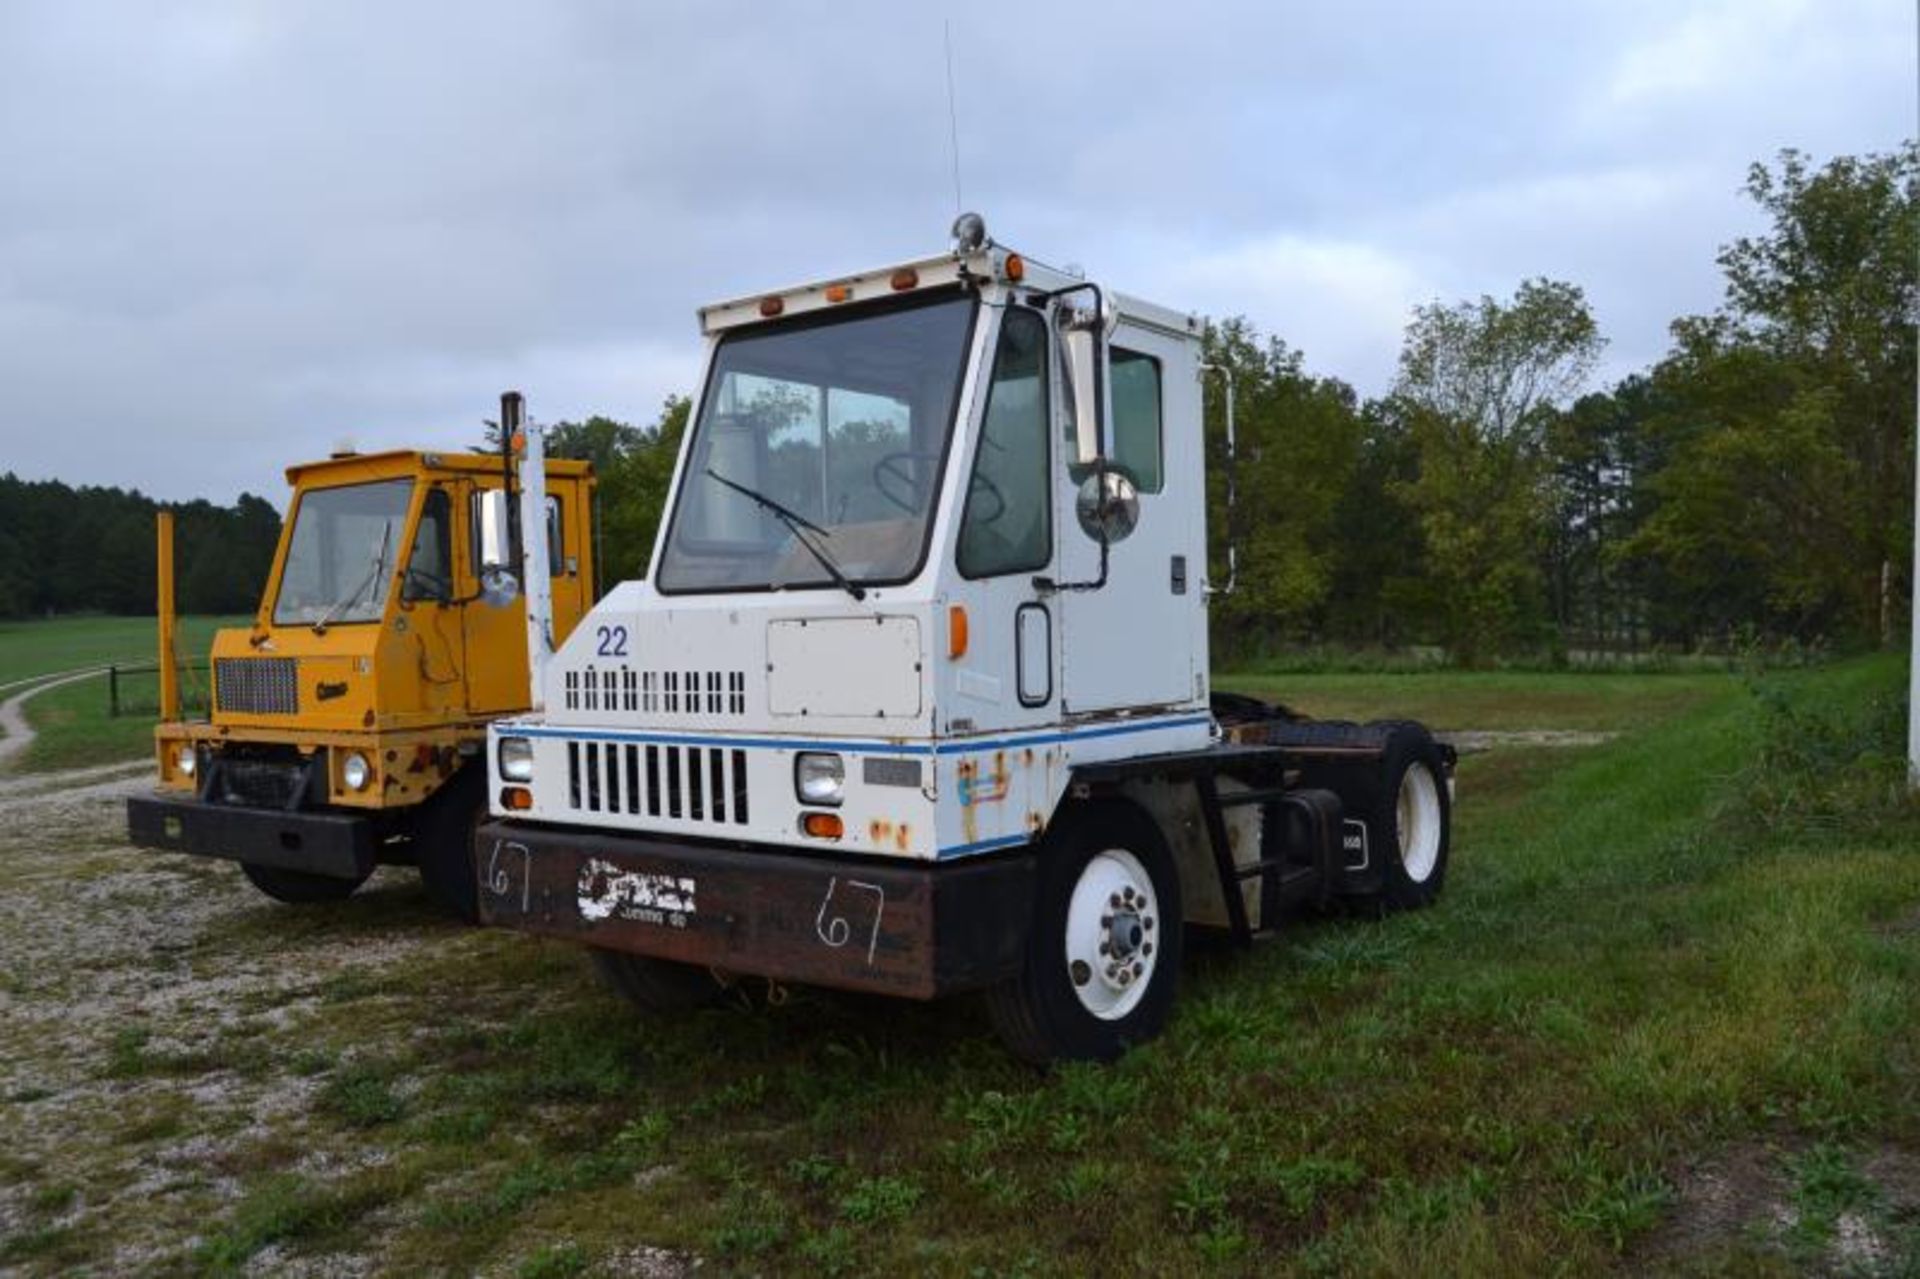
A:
[15,732]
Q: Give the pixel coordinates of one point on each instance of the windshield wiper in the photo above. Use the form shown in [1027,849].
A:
[797,524]
[373,575]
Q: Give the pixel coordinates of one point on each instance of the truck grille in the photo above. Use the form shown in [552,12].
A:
[258,783]
[257,685]
[684,783]
[621,688]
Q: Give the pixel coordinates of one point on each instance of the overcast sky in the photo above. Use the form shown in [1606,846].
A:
[235,234]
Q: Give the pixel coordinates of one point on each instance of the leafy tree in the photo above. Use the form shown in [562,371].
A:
[1301,443]
[1785,504]
[1479,384]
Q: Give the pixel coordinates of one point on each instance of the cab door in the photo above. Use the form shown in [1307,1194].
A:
[1129,644]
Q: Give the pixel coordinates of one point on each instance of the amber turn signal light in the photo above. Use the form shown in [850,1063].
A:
[822,825]
[956,633]
[838,292]
[518,798]
[905,278]
[1016,267]
[770,307]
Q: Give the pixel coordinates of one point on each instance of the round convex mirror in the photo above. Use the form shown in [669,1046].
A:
[1108,506]
[498,586]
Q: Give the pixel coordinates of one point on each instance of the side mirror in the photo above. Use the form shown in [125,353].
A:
[493,528]
[1082,349]
[1108,506]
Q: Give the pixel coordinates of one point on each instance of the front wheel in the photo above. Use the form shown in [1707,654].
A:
[1103,960]
[298,887]
[657,985]
[443,843]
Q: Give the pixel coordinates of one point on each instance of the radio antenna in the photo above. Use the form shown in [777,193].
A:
[953,115]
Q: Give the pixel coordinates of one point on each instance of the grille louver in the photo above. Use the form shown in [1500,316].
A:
[703,693]
[257,685]
[682,783]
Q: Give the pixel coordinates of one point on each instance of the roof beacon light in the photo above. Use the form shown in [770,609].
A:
[905,278]
[770,307]
[969,233]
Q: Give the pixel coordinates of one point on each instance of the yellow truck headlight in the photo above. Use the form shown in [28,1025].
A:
[516,759]
[187,760]
[355,771]
[819,777]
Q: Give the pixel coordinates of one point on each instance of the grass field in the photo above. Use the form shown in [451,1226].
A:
[1664,1019]
[69,643]
[72,724]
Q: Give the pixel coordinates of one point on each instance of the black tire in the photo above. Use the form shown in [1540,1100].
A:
[297,887]
[1412,876]
[657,985]
[1040,1013]
[443,843]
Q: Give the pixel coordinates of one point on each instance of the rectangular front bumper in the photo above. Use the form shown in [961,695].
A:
[916,930]
[337,845]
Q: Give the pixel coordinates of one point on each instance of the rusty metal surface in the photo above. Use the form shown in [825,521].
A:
[913,931]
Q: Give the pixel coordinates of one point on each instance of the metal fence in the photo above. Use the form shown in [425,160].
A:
[134,689]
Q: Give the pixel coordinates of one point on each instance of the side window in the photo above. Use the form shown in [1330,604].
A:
[430,564]
[1135,395]
[1008,525]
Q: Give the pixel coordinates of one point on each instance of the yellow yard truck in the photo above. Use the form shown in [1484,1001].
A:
[347,724]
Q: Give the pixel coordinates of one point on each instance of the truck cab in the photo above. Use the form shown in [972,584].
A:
[347,721]
[919,678]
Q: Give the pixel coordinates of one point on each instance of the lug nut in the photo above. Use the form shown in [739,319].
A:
[1146,922]
[1139,969]
[1147,949]
[1106,921]
[1114,901]
[1103,948]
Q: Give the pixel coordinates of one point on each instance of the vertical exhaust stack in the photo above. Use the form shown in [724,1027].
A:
[169,673]
[536,555]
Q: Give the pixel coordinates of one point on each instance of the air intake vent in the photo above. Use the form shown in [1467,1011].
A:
[257,685]
[699,693]
[681,783]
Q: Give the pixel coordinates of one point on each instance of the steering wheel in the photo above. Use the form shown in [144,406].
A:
[985,487]
[437,587]
[891,466]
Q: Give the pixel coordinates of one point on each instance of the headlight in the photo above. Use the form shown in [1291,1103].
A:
[355,771]
[516,759]
[187,760]
[819,778]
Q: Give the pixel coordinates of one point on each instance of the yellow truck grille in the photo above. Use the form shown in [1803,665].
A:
[257,685]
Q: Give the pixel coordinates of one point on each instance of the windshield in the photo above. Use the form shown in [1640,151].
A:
[826,431]
[341,555]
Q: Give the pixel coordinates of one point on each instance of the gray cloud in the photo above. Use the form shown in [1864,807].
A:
[233,234]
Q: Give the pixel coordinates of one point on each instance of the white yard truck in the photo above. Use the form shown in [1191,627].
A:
[916,696]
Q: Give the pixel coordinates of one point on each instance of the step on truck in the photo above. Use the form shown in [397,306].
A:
[916,696]
[347,723]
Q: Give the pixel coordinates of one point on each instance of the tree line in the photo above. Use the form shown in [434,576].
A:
[1754,484]
[91,550]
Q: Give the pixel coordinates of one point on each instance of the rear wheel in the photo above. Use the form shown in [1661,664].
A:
[298,887]
[1103,960]
[1414,818]
[657,985]
[443,843]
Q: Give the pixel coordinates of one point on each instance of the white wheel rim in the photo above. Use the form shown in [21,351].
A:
[1113,934]
[1417,814]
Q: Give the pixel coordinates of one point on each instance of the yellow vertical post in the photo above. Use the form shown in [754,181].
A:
[169,674]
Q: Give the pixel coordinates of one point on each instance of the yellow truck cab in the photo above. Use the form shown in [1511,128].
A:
[348,723]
